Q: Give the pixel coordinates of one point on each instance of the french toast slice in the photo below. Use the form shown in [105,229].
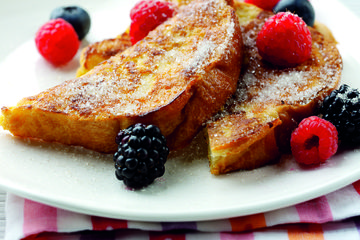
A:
[95,53]
[177,77]
[98,52]
[255,126]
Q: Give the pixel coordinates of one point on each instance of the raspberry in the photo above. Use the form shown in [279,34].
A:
[314,141]
[141,155]
[342,108]
[284,40]
[146,15]
[264,4]
[76,16]
[57,41]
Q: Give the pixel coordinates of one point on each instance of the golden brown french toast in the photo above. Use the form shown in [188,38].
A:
[98,52]
[254,127]
[191,60]
[95,53]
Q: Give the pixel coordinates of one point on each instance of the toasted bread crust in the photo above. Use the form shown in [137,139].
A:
[190,59]
[254,128]
[98,52]
[95,53]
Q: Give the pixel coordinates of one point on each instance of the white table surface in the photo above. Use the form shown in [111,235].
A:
[353,5]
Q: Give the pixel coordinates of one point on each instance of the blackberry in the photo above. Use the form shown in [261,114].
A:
[141,156]
[342,108]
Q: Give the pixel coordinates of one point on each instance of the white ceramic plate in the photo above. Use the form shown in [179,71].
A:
[83,181]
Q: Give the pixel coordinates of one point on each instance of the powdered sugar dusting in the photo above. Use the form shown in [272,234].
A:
[139,80]
[264,85]
[263,89]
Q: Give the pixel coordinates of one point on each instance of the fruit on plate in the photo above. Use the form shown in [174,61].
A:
[314,141]
[267,141]
[57,41]
[284,40]
[146,15]
[78,17]
[141,155]
[302,8]
[176,78]
[255,126]
[342,108]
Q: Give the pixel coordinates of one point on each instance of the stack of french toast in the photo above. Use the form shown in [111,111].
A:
[198,71]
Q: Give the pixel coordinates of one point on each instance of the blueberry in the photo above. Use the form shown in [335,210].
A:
[76,16]
[302,8]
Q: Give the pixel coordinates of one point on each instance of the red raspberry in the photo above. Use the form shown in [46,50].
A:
[314,141]
[57,41]
[146,15]
[264,4]
[284,40]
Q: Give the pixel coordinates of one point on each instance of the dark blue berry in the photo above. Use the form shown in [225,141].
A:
[129,152]
[118,175]
[142,168]
[141,155]
[302,8]
[120,161]
[154,154]
[145,142]
[116,155]
[127,173]
[152,130]
[341,108]
[157,143]
[160,171]
[119,137]
[150,163]
[125,139]
[134,141]
[131,163]
[138,131]
[76,16]
[162,160]
[164,152]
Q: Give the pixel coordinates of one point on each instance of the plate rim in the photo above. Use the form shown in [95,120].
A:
[10,187]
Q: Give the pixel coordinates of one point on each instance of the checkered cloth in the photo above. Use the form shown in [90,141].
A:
[333,216]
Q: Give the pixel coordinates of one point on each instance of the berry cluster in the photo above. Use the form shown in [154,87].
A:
[141,155]
[76,16]
[285,39]
[316,139]
[58,40]
[302,8]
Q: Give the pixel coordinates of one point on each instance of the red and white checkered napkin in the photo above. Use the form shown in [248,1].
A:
[333,216]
